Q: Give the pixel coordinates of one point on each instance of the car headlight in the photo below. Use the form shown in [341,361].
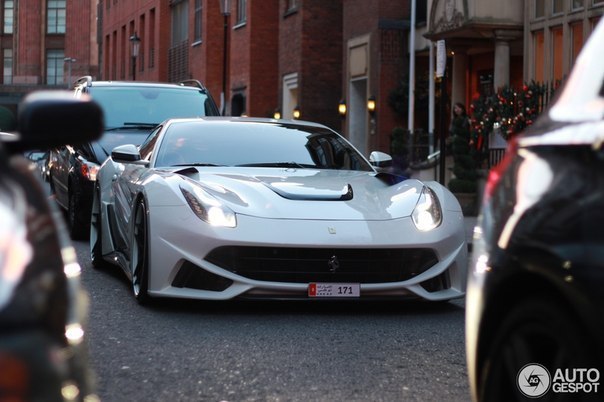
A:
[208,208]
[427,214]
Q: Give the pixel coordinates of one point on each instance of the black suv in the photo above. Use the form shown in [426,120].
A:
[131,110]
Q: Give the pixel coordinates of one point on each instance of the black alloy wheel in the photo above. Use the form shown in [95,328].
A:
[539,330]
[139,254]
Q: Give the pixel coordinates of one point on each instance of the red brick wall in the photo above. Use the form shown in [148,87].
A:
[126,14]
[28,53]
[206,58]
[81,38]
[262,95]
[239,53]
[321,88]
[388,57]
[290,44]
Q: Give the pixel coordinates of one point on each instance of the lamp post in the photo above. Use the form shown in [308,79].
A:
[69,61]
[225,10]
[136,42]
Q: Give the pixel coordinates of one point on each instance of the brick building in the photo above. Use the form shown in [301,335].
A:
[310,62]
[45,45]
[375,60]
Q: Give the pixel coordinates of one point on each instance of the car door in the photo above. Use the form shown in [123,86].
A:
[126,186]
[60,164]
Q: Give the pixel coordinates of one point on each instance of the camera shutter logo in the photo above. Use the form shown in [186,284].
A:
[533,380]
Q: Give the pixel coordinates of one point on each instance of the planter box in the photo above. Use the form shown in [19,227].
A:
[468,202]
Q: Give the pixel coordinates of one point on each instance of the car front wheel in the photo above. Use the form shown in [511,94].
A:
[139,258]
[539,330]
[96,236]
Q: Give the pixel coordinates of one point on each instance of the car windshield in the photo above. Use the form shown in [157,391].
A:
[140,106]
[256,144]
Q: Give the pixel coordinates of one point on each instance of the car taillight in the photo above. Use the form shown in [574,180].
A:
[89,171]
[497,172]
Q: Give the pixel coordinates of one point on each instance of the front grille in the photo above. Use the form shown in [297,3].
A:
[303,265]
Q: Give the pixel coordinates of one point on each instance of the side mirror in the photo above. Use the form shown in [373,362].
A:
[48,119]
[380,159]
[127,153]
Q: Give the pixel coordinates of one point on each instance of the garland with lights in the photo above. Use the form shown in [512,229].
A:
[509,109]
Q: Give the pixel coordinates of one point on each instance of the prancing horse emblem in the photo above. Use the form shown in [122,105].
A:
[334,264]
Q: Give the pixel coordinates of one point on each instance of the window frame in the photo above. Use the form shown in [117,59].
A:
[8,17]
[198,22]
[7,56]
[58,64]
[241,15]
[55,22]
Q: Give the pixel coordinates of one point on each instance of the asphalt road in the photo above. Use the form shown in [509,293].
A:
[270,351]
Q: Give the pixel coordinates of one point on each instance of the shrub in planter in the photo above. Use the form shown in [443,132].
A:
[465,168]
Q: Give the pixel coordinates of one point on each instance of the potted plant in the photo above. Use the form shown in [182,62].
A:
[464,183]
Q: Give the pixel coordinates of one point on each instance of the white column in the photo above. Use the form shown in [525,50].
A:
[501,74]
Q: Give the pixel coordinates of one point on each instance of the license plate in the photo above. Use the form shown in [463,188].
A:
[334,290]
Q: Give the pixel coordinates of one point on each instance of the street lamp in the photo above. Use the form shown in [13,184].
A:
[136,42]
[225,10]
[69,61]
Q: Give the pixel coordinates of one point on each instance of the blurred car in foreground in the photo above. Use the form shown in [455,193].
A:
[132,110]
[42,307]
[535,306]
[222,208]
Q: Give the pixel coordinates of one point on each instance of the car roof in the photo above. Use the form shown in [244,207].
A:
[236,119]
[89,82]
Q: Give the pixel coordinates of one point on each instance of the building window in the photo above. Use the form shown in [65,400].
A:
[151,38]
[577,4]
[241,12]
[596,2]
[198,21]
[8,66]
[539,43]
[56,16]
[557,50]
[557,6]
[54,66]
[576,31]
[180,19]
[292,5]
[539,8]
[9,16]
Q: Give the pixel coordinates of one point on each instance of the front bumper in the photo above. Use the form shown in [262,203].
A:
[179,242]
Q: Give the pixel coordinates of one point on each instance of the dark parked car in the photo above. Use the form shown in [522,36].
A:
[535,299]
[42,306]
[131,110]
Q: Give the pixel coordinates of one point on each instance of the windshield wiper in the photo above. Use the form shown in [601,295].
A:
[277,164]
[134,125]
[195,164]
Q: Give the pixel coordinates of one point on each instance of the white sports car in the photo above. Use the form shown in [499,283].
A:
[223,208]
